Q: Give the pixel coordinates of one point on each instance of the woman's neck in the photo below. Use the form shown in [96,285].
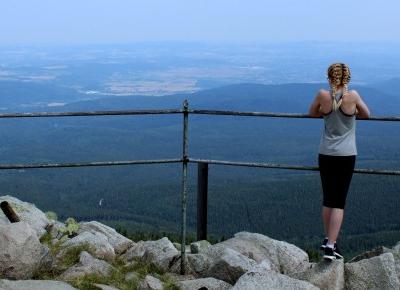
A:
[338,89]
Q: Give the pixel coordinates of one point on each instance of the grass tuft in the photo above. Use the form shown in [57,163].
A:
[71,254]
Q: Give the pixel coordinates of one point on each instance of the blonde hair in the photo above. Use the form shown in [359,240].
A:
[338,75]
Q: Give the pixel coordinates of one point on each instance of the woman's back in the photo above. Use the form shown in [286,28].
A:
[338,137]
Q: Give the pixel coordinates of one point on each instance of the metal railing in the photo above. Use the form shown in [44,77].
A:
[202,182]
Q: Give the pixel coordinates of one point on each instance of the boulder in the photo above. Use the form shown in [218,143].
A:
[325,275]
[27,212]
[34,285]
[97,241]
[116,240]
[198,246]
[217,261]
[47,259]
[396,254]
[3,220]
[160,252]
[397,247]
[104,287]
[87,265]
[177,246]
[227,264]
[21,253]
[178,277]
[369,254]
[150,283]
[378,251]
[132,276]
[374,273]
[264,265]
[286,257]
[208,283]
[54,229]
[255,280]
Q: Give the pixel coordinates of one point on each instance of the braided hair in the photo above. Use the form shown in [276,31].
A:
[338,75]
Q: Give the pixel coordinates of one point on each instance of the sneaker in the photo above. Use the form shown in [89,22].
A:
[329,254]
[322,247]
[336,252]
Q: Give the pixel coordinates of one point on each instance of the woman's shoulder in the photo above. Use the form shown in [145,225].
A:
[353,94]
[323,93]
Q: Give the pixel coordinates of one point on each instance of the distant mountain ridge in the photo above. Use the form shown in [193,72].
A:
[391,86]
[18,93]
[291,97]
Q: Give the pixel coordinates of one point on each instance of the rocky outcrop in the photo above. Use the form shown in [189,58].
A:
[150,283]
[104,287]
[21,253]
[160,253]
[27,212]
[395,251]
[286,258]
[132,276]
[217,261]
[245,261]
[325,275]
[97,241]
[119,243]
[254,280]
[87,265]
[205,283]
[378,272]
[34,285]
[372,253]
[199,246]
[397,247]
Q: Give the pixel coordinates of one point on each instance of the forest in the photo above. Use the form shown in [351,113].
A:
[144,200]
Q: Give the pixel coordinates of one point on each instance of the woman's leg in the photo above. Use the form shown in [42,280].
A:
[335,223]
[338,203]
[326,218]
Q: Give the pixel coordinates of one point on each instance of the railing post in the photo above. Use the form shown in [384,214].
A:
[202,195]
[9,212]
[184,186]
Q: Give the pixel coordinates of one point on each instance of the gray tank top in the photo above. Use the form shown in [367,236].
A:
[339,134]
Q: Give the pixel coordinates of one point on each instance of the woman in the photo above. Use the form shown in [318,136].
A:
[337,152]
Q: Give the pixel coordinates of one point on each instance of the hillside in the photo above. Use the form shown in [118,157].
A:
[294,97]
[390,86]
[133,201]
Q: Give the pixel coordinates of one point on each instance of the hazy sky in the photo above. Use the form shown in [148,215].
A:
[124,21]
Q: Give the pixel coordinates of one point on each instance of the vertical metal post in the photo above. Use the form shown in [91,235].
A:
[184,185]
[202,195]
[9,212]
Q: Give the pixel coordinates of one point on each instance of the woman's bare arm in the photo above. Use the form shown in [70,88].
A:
[315,105]
[362,110]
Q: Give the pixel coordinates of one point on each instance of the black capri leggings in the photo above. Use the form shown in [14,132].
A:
[336,173]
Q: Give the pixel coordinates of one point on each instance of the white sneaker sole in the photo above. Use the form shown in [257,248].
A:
[338,256]
[330,258]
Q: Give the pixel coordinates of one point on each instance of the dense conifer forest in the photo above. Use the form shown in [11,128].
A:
[143,201]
